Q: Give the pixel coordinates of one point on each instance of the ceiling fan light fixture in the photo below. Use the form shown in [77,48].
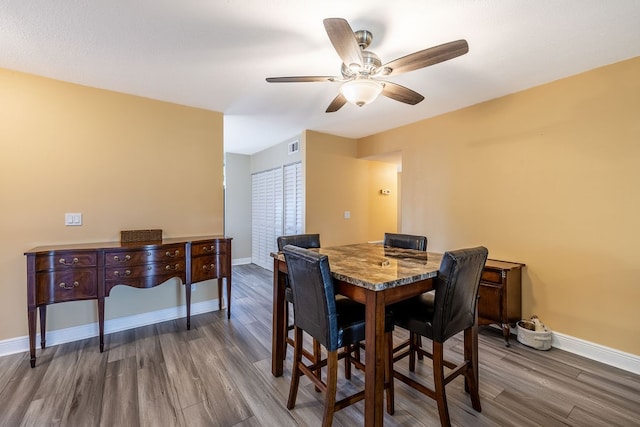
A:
[361,91]
[360,68]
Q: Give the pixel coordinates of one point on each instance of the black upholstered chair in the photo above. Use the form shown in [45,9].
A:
[441,315]
[306,241]
[335,323]
[405,241]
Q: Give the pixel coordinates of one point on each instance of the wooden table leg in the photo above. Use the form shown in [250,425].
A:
[474,351]
[471,352]
[374,350]
[277,330]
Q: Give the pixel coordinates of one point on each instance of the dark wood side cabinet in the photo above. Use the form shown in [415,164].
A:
[89,271]
[500,295]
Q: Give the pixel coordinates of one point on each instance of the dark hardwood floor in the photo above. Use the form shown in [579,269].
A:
[219,374]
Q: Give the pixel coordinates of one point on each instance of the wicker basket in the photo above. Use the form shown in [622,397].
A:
[540,340]
[128,236]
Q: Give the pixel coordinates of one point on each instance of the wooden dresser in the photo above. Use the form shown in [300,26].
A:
[500,295]
[89,271]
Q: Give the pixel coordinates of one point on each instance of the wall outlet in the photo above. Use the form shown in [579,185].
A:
[347,214]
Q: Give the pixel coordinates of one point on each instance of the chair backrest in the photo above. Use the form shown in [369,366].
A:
[456,293]
[314,301]
[405,241]
[301,240]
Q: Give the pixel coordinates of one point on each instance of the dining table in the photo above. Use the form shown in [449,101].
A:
[375,276]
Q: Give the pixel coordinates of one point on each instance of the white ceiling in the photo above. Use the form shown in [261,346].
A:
[215,54]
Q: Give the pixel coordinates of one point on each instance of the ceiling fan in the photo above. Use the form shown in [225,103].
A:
[361,68]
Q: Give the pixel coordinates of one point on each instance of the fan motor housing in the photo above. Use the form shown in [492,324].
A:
[370,63]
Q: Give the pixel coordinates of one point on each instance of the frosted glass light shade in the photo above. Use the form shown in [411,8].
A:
[361,91]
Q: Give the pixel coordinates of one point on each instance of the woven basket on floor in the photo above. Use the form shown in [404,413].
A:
[540,340]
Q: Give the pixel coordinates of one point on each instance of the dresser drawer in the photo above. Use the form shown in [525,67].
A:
[136,257]
[491,276]
[208,247]
[204,268]
[65,260]
[152,269]
[66,285]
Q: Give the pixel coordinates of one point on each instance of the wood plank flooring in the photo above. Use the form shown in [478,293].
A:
[219,374]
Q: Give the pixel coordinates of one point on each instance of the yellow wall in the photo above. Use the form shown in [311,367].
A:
[548,177]
[336,181]
[124,162]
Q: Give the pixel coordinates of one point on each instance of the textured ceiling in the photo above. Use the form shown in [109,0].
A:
[216,54]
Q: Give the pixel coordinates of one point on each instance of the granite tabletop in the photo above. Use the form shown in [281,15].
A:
[376,267]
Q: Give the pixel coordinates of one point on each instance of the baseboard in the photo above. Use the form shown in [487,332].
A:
[609,356]
[61,336]
[241,261]
[612,357]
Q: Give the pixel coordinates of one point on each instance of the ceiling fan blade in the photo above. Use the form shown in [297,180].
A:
[401,93]
[301,79]
[336,104]
[344,41]
[426,57]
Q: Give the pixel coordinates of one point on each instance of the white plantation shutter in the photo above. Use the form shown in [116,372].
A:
[257,214]
[266,215]
[293,198]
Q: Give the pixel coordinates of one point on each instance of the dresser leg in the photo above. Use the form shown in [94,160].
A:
[228,279]
[101,322]
[506,331]
[187,289]
[43,326]
[32,335]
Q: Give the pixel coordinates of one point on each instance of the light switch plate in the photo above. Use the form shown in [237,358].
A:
[73,219]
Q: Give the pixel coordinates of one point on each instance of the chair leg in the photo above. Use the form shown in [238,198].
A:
[295,372]
[419,344]
[389,374]
[317,355]
[438,382]
[332,383]
[413,340]
[471,374]
[347,362]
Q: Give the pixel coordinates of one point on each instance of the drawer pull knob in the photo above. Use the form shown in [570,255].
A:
[64,261]
[125,274]
[63,285]
[209,267]
[170,267]
[208,249]
[126,258]
[174,254]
